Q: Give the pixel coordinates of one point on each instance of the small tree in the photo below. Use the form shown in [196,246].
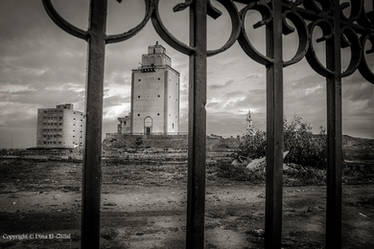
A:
[252,144]
[305,148]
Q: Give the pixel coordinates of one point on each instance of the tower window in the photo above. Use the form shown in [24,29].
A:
[172,125]
[158,96]
[138,114]
[139,80]
[159,78]
[158,114]
[138,97]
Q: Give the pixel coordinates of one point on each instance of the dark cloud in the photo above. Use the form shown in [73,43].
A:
[218,87]
[116,100]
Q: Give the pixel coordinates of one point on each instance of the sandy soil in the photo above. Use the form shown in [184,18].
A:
[145,207]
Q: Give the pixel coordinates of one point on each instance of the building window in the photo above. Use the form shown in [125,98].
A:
[159,78]
[138,97]
[158,114]
[172,125]
[139,80]
[158,96]
[138,115]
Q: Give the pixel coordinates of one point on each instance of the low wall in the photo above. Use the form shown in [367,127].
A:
[164,142]
[156,142]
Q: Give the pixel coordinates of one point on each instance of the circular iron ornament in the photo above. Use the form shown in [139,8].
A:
[62,23]
[311,55]
[364,68]
[303,34]
[356,6]
[318,6]
[235,27]
[126,35]
[364,19]
[166,35]
[243,39]
[356,48]
[214,13]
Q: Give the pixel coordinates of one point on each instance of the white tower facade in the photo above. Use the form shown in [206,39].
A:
[155,94]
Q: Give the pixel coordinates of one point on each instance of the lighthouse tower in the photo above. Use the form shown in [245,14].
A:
[155,95]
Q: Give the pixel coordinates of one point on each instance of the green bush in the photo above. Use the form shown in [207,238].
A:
[305,148]
[252,145]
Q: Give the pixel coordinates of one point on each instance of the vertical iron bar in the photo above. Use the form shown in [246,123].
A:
[197,126]
[334,137]
[274,130]
[90,238]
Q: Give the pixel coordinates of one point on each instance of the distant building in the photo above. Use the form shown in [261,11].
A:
[60,127]
[154,96]
[124,125]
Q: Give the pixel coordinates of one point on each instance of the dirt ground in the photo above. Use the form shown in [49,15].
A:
[144,206]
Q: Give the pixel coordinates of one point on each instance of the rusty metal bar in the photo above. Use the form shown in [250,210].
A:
[274,130]
[90,237]
[197,126]
[334,136]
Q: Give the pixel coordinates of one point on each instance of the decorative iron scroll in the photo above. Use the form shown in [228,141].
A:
[355,31]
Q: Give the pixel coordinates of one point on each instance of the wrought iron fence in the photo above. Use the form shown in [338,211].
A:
[339,31]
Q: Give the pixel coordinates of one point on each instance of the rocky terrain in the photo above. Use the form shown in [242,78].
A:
[144,199]
[144,206]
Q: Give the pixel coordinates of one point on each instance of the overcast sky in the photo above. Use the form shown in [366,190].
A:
[42,66]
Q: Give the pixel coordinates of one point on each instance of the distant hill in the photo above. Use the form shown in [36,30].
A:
[355,149]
